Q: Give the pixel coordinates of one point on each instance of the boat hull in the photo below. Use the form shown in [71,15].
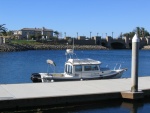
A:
[44,77]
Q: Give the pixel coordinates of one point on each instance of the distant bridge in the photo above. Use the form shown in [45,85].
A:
[122,43]
[113,43]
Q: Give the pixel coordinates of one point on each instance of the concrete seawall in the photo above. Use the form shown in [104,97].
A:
[17,47]
[146,47]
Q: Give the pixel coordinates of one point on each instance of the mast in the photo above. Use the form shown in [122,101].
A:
[73,45]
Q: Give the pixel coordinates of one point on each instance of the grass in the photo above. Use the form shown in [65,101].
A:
[25,42]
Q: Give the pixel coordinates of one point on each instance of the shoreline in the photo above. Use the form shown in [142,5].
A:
[146,47]
[22,47]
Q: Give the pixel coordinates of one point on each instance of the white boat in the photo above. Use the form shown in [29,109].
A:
[78,69]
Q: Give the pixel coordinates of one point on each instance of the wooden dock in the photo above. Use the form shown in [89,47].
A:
[61,93]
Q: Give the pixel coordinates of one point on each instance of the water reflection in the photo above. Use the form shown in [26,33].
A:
[111,106]
[133,106]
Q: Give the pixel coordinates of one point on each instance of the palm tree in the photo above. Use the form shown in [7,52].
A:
[2,29]
[143,32]
[138,30]
[56,33]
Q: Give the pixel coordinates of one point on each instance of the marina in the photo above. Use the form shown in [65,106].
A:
[77,57]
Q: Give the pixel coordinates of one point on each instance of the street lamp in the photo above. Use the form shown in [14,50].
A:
[97,34]
[65,34]
[90,35]
[77,35]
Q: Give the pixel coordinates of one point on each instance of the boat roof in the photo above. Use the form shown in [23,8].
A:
[83,61]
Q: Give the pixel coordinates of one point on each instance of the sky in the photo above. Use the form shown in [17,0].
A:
[72,16]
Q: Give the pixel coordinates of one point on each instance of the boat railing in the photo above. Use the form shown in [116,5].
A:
[117,65]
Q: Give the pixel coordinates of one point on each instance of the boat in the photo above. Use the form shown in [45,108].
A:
[76,69]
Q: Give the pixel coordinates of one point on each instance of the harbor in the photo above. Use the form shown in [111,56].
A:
[68,93]
[77,57]
[53,94]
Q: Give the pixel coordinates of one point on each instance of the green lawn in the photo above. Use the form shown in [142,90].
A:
[27,42]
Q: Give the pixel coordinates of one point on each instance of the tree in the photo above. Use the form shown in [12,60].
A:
[143,31]
[139,30]
[56,33]
[2,29]
[9,33]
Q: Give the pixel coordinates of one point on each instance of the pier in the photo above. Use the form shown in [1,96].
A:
[65,93]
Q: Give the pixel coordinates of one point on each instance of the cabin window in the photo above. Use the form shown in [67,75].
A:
[91,68]
[78,68]
[87,68]
[94,67]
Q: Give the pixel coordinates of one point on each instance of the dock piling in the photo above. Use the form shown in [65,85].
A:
[134,70]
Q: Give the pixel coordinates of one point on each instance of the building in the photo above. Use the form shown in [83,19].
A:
[27,33]
[67,37]
[81,37]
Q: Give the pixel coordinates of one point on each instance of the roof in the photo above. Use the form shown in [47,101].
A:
[83,61]
[36,29]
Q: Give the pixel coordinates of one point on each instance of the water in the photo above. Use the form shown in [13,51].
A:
[16,67]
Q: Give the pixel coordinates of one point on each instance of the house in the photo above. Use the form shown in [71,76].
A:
[28,33]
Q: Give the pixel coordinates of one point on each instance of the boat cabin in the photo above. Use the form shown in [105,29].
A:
[81,67]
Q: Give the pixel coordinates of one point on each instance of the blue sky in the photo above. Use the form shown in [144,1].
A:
[72,16]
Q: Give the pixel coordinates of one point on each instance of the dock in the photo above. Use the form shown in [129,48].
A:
[61,93]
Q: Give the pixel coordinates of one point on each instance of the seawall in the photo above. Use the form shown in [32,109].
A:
[22,47]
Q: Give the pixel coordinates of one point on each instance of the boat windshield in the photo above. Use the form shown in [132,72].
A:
[68,69]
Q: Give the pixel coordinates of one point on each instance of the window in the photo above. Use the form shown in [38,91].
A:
[90,67]
[94,67]
[68,69]
[78,68]
[87,68]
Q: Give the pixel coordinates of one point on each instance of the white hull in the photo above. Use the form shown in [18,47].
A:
[56,77]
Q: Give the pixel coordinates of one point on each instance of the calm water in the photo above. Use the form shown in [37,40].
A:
[16,67]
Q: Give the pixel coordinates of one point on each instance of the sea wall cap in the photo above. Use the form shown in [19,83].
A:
[135,38]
